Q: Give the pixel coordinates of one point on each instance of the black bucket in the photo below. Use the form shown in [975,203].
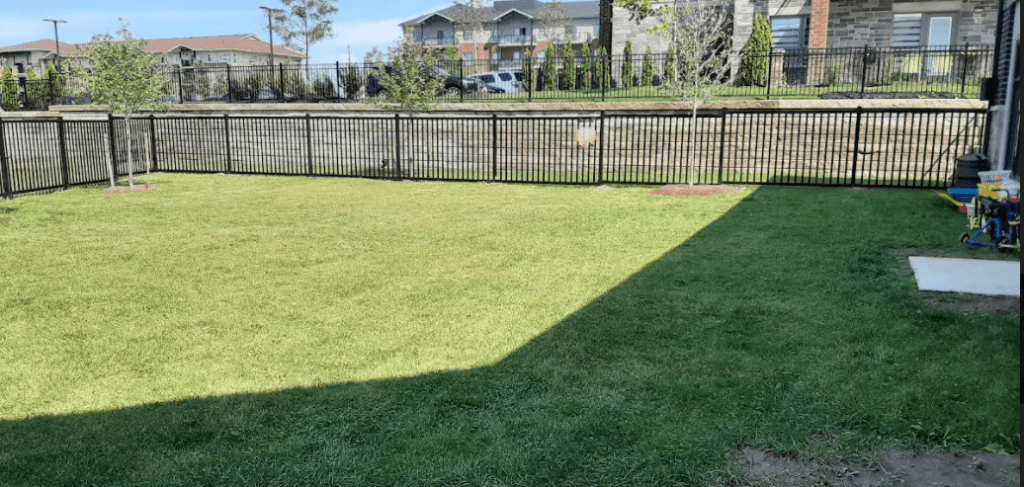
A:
[967,169]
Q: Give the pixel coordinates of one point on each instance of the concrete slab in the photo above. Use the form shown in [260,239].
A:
[971,276]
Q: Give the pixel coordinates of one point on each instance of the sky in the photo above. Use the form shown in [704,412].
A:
[359,25]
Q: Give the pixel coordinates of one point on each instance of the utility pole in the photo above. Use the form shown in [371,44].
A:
[270,28]
[56,37]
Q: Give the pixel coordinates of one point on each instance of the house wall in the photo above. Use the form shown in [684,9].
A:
[856,23]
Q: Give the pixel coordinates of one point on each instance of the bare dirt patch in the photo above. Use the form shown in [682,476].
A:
[763,468]
[604,187]
[142,188]
[686,190]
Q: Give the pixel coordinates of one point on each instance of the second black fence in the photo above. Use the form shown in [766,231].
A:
[895,148]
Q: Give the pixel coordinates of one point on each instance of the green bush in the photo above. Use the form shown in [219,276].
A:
[627,65]
[323,88]
[647,75]
[670,66]
[603,70]
[528,70]
[9,90]
[588,70]
[550,69]
[352,82]
[834,72]
[754,67]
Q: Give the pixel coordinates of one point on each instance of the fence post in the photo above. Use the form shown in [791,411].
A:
[398,146]
[113,146]
[309,144]
[64,172]
[856,147]
[280,70]
[529,77]
[152,140]
[494,147]
[227,142]
[462,74]
[5,170]
[337,75]
[181,89]
[963,81]
[721,149]
[231,95]
[771,62]
[864,72]
[600,152]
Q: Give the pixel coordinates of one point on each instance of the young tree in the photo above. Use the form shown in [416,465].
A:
[699,29]
[306,22]
[588,70]
[754,67]
[647,73]
[471,16]
[409,77]
[550,69]
[554,19]
[570,66]
[627,65]
[126,79]
[9,90]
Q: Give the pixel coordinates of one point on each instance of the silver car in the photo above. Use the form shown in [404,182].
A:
[500,82]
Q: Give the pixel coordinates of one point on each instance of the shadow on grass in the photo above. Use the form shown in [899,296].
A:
[737,335]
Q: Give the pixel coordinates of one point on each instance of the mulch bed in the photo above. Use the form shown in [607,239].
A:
[887,95]
[142,188]
[686,190]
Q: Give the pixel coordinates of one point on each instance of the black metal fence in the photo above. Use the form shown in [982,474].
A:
[899,148]
[807,73]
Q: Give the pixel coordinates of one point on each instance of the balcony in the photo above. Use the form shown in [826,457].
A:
[510,39]
[436,41]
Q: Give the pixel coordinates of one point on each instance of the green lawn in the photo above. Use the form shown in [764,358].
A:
[346,332]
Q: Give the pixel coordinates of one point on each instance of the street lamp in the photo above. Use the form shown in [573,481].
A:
[270,28]
[56,37]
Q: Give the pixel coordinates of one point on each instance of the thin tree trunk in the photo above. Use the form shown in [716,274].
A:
[149,156]
[693,146]
[131,160]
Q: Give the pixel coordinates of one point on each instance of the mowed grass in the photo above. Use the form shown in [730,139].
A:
[584,353]
[219,285]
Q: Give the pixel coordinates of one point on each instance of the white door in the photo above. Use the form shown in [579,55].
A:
[940,35]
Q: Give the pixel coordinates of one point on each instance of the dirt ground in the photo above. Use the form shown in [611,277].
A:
[760,468]
[889,95]
[686,190]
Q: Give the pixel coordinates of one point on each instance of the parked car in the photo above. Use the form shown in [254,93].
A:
[453,85]
[502,81]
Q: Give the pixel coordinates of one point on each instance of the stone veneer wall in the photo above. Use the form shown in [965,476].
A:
[855,23]
[979,28]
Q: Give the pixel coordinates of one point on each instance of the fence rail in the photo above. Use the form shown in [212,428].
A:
[895,148]
[806,73]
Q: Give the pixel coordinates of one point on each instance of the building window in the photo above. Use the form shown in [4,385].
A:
[790,32]
[467,56]
[906,30]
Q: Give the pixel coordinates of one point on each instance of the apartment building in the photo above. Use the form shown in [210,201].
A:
[510,29]
[234,50]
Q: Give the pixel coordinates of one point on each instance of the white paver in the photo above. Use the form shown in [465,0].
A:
[971,276]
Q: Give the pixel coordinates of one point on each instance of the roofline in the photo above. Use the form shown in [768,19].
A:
[516,10]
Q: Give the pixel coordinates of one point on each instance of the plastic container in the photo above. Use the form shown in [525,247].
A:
[963,195]
[994,177]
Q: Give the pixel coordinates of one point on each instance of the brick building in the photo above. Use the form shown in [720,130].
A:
[799,24]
